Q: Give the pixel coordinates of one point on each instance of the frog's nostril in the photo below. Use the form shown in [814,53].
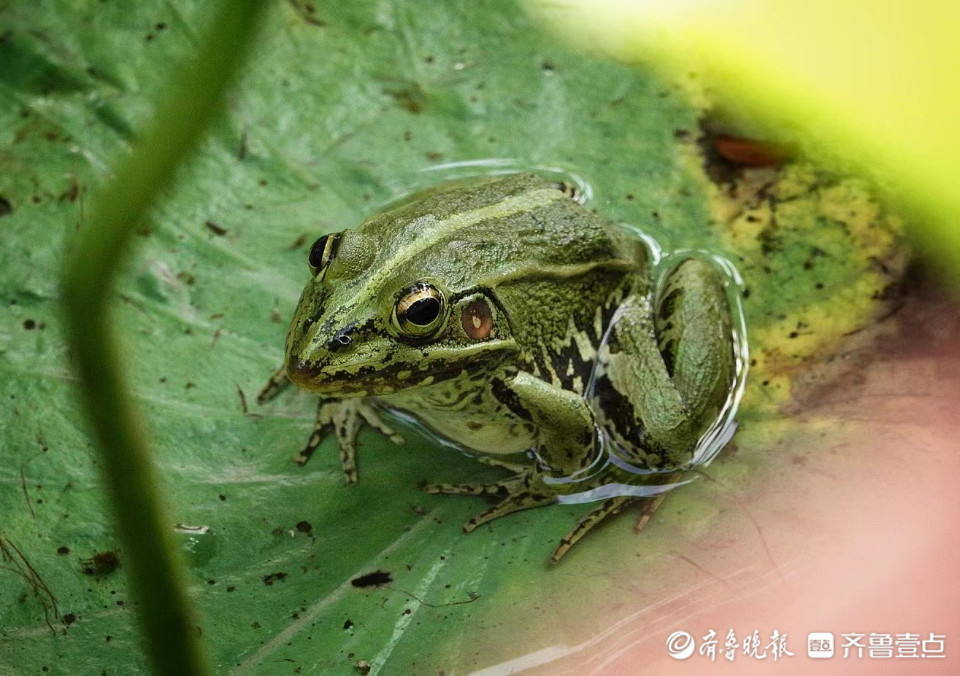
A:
[342,337]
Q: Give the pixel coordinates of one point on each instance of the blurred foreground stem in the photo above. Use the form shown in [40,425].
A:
[166,618]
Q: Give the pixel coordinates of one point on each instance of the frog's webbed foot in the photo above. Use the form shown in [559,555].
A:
[345,417]
[527,490]
[278,383]
[523,491]
[612,507]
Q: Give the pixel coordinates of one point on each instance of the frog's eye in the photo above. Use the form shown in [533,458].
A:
[322,252]
[419,311]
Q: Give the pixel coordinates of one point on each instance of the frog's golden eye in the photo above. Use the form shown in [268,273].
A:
[419,312]
[322,252]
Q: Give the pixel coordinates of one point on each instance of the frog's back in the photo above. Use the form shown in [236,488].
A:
[490,232]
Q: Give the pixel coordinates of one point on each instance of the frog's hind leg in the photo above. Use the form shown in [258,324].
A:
[523,491]
[612,507]
[667,370]
[694,330]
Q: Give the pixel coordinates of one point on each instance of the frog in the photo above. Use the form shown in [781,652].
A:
[504,316]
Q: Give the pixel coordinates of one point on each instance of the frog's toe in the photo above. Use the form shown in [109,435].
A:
[514,503]
[319,433]
[515,484]
[278,383]
[515,467]
[607,508]
[372,417]
[465,489]
[651,505]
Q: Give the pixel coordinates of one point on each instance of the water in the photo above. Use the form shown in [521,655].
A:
[197,542]
[498,166]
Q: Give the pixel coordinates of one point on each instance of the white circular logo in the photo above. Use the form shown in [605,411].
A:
[680,645]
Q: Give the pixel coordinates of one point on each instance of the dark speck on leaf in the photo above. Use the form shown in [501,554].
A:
[216,229]
[273,577]
[304,527]
[29,324]
[5,207]
[69,618]
[348,625]
[411,99]
[101,563]
[308,13]
[63,551]
[375,579]
[72,193]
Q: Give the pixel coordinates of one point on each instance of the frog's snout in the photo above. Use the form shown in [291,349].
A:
[302,372]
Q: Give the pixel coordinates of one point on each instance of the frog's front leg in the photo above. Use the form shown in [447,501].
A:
[278,383]
[345,417]
[568,441]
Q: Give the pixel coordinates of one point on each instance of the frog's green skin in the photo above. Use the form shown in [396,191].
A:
[528,283]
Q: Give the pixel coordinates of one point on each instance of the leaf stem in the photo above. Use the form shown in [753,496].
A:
[156,578]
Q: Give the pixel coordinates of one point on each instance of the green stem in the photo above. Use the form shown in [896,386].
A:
[156,577]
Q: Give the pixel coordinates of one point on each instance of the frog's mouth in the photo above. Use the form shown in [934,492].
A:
[351,381]
[356,379]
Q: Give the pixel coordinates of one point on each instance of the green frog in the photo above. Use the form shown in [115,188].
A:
[504,316]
